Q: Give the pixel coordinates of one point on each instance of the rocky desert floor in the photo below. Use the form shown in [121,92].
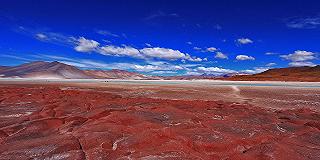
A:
[111,120]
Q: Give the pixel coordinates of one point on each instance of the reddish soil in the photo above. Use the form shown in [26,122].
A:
[54,122]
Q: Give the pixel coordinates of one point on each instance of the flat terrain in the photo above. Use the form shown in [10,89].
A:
[76,119]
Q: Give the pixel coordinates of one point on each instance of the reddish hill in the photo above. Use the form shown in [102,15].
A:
[3,67]
[116,74]
[307,74]
[41,69]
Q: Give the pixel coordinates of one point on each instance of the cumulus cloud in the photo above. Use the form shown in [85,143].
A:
[209,49]
[163,72]
[120,51]
[220,55]
[194,59]
[255,70]
[86,45]
[160,67]
[147,53]
[213,70]
[299,64]
[164,53]
[168,54]
[244,57]
[217,71]
[189,43]
[146,68]
[299,56]
[212,49]
[244,41]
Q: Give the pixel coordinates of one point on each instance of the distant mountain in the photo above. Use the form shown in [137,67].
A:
[40,69]
[116,74]
[57,70]
[189,77]
[3,67]
[311,74]
[202,76]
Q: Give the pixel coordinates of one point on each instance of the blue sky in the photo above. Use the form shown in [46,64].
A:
[162,37]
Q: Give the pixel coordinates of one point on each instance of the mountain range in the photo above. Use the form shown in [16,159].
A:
[305,73]
[57,70]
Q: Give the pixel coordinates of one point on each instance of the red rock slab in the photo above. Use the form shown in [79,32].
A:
[54,122]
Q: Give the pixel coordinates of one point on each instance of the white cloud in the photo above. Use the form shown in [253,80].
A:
[41,36]
[255,70]
[50,37]
[214,70]
[147,53]
[120,51]
[193,59]
[197,48]
[244,57]
[304,23]
[271,53]
[167,53]
[160,67]
[163,72]
[190,43]
[271,64]
[299,56]
[220,55]
[164,53]
[82,44]
[244,41]
[193,73]
[299,64]
[212,49]
[209,49]
[148,44]
[86,45]
[146,68]
[107,33]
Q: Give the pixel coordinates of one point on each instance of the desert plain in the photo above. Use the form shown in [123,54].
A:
[119,119]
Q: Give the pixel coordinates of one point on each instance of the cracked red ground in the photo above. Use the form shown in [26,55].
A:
[50,121]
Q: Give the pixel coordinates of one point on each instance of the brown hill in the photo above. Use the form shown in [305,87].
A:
[41,69]
[3,67]
[307,74]
[57,70]
[116,74]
